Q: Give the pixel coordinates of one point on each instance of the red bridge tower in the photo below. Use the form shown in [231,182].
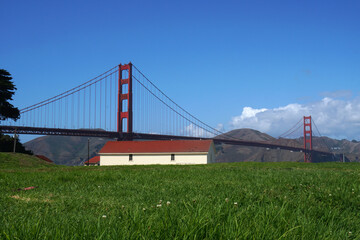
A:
[307,139]
[125,112]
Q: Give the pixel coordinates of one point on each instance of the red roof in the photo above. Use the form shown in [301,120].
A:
[95,160]
[42,157]
[175,146]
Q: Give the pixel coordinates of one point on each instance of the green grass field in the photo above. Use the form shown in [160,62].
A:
[218,201]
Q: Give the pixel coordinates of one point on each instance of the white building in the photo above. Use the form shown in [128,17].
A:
[157,152]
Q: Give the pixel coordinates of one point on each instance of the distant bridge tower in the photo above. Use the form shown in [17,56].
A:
[307,139]
[125,111]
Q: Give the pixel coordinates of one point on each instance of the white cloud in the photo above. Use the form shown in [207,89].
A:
[335,118]
[195,131]
[220,127]
[338,94]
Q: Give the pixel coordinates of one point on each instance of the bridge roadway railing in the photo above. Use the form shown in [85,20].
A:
[58,131]
[128,136]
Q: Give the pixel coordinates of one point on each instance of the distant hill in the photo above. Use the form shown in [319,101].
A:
[66,150]
[247,134]
[232,153]
[73,150]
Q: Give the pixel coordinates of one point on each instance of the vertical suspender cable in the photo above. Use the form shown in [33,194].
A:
[84,107]
[89,106]
[105,101]
[72,111]
[95,103]
[66,112]
[78,110]
[60,117]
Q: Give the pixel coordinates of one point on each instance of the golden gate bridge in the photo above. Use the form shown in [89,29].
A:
[123,103]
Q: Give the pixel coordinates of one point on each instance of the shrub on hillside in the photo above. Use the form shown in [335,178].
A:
[7,145]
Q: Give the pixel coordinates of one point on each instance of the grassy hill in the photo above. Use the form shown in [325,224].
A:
[22,161]
[218,201]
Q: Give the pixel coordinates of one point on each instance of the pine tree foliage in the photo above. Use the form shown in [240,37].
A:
[7,90]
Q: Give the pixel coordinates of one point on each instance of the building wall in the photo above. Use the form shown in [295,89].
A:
[146,159]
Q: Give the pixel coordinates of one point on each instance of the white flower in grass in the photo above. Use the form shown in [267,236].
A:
[168,203]
[144,209]
[104,216]
[159,205]
[160,201]
[235,204]
[330,195]
[226,200]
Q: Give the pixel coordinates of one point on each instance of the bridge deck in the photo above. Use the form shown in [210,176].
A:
[128,136]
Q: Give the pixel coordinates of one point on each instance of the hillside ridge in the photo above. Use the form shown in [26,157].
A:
[74,150]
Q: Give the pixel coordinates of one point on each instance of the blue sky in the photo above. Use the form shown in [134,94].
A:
[237,63]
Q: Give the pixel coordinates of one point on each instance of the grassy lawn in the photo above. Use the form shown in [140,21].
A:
[218,201]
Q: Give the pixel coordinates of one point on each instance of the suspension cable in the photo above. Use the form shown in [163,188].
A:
[59,95]
[321,137]
[215,131]
[287,132]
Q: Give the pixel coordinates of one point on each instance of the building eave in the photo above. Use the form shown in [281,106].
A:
[155,153]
